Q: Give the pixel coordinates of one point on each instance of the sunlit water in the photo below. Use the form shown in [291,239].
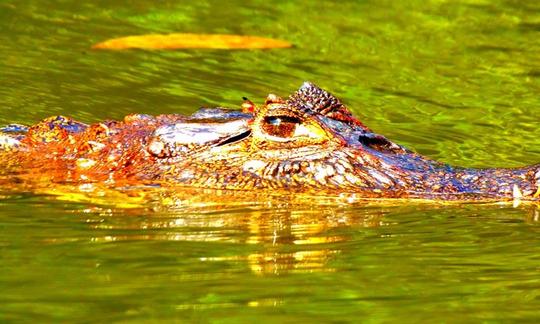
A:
[458,81]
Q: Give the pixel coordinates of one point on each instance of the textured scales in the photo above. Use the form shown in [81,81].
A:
[308,143]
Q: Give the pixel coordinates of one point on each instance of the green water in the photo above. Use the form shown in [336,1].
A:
[455,80]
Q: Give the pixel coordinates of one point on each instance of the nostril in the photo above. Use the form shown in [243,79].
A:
[372,140]
[379,142]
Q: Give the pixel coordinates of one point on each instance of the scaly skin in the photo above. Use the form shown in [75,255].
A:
[308,143]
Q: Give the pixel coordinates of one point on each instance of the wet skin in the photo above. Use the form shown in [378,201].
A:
[309,142]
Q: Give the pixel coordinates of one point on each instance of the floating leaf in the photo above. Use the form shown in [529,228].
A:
[179,41]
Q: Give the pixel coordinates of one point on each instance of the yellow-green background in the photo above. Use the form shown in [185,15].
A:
[458,81]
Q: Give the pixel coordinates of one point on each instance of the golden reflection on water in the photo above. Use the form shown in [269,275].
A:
[279,234]
[285,240]
[286,234]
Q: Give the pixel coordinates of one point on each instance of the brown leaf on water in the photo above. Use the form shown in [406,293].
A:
[180,41]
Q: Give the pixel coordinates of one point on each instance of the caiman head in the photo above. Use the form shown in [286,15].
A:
[308,142]
[311,142]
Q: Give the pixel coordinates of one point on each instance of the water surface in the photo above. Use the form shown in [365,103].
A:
[455,80]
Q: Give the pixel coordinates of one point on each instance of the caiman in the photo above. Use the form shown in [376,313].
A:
[307,143]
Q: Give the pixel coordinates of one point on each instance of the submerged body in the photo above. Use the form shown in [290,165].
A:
[307,143]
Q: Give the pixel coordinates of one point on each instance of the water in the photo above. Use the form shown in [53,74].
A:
[455,80]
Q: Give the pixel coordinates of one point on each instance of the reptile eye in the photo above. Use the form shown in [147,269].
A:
[280,126]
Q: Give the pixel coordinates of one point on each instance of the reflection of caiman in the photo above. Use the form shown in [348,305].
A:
[307,143]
